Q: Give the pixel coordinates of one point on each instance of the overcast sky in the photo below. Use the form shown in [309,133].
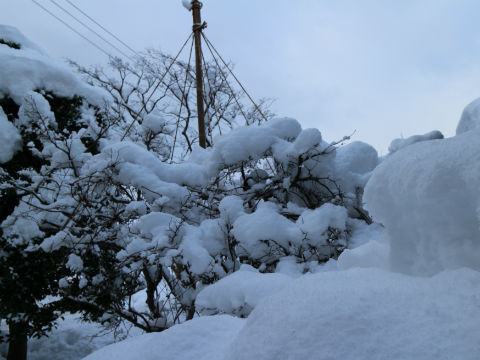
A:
[382,68]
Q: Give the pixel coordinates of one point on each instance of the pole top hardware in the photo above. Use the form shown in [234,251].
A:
[198,27]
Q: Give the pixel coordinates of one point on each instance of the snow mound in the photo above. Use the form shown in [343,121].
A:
[28,69]
[398,144]
[205,338]
[470,118]
[366,314]
[240,292]
[427,197]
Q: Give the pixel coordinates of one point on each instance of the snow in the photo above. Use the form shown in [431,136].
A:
[314,223]
[13,35]
[71,340]
[249,142]
[75,262]
[357,314]
[426,196]
[10,139]
[366,314]
[254,230]
[470,118]
[356,157]
[240,292]
[28,69]
[373,254]
[187,4]
[204,338]
[154,123]
[398,144]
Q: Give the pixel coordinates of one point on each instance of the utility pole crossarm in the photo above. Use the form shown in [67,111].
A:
[197,30]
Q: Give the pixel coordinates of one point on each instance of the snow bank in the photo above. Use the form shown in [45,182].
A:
[358,314]
[373,254]
[398,144]
[28,69]
[427,197]
[238,293]
[470,118]
[366,314]
[205,338]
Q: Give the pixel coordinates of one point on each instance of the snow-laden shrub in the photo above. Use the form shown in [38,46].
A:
[260,194]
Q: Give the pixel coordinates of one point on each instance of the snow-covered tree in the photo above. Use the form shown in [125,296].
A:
[167,120]
[58,221]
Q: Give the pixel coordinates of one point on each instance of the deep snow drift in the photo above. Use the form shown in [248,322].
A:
[366,314]
[358,314]
[427,197]
[204,338]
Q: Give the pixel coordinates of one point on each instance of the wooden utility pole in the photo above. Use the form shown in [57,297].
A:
[197,28]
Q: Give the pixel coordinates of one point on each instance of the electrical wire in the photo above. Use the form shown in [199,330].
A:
[100,26]
[208,42]
[90,29]
[156,87]
[72,28]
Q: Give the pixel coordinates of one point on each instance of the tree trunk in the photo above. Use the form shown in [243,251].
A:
[17,347]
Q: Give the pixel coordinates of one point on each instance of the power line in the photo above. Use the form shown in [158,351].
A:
[90,29]
[99,25]
[71,28]
[210,47]
[156,87]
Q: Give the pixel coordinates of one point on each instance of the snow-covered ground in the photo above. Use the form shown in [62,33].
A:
[71,340]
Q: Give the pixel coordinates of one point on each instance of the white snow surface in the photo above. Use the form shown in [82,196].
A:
[28,69]
[204,338]
[354,163]
[398,144]
[470,118]
[187,4]
[356,314]
[13,35]
[10,139]
[240,292]
[71,340]
[366,314]
[427,197]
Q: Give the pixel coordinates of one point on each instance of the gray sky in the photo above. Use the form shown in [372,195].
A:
[385,68]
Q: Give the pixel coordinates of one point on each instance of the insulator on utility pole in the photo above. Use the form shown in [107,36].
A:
[197,28]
